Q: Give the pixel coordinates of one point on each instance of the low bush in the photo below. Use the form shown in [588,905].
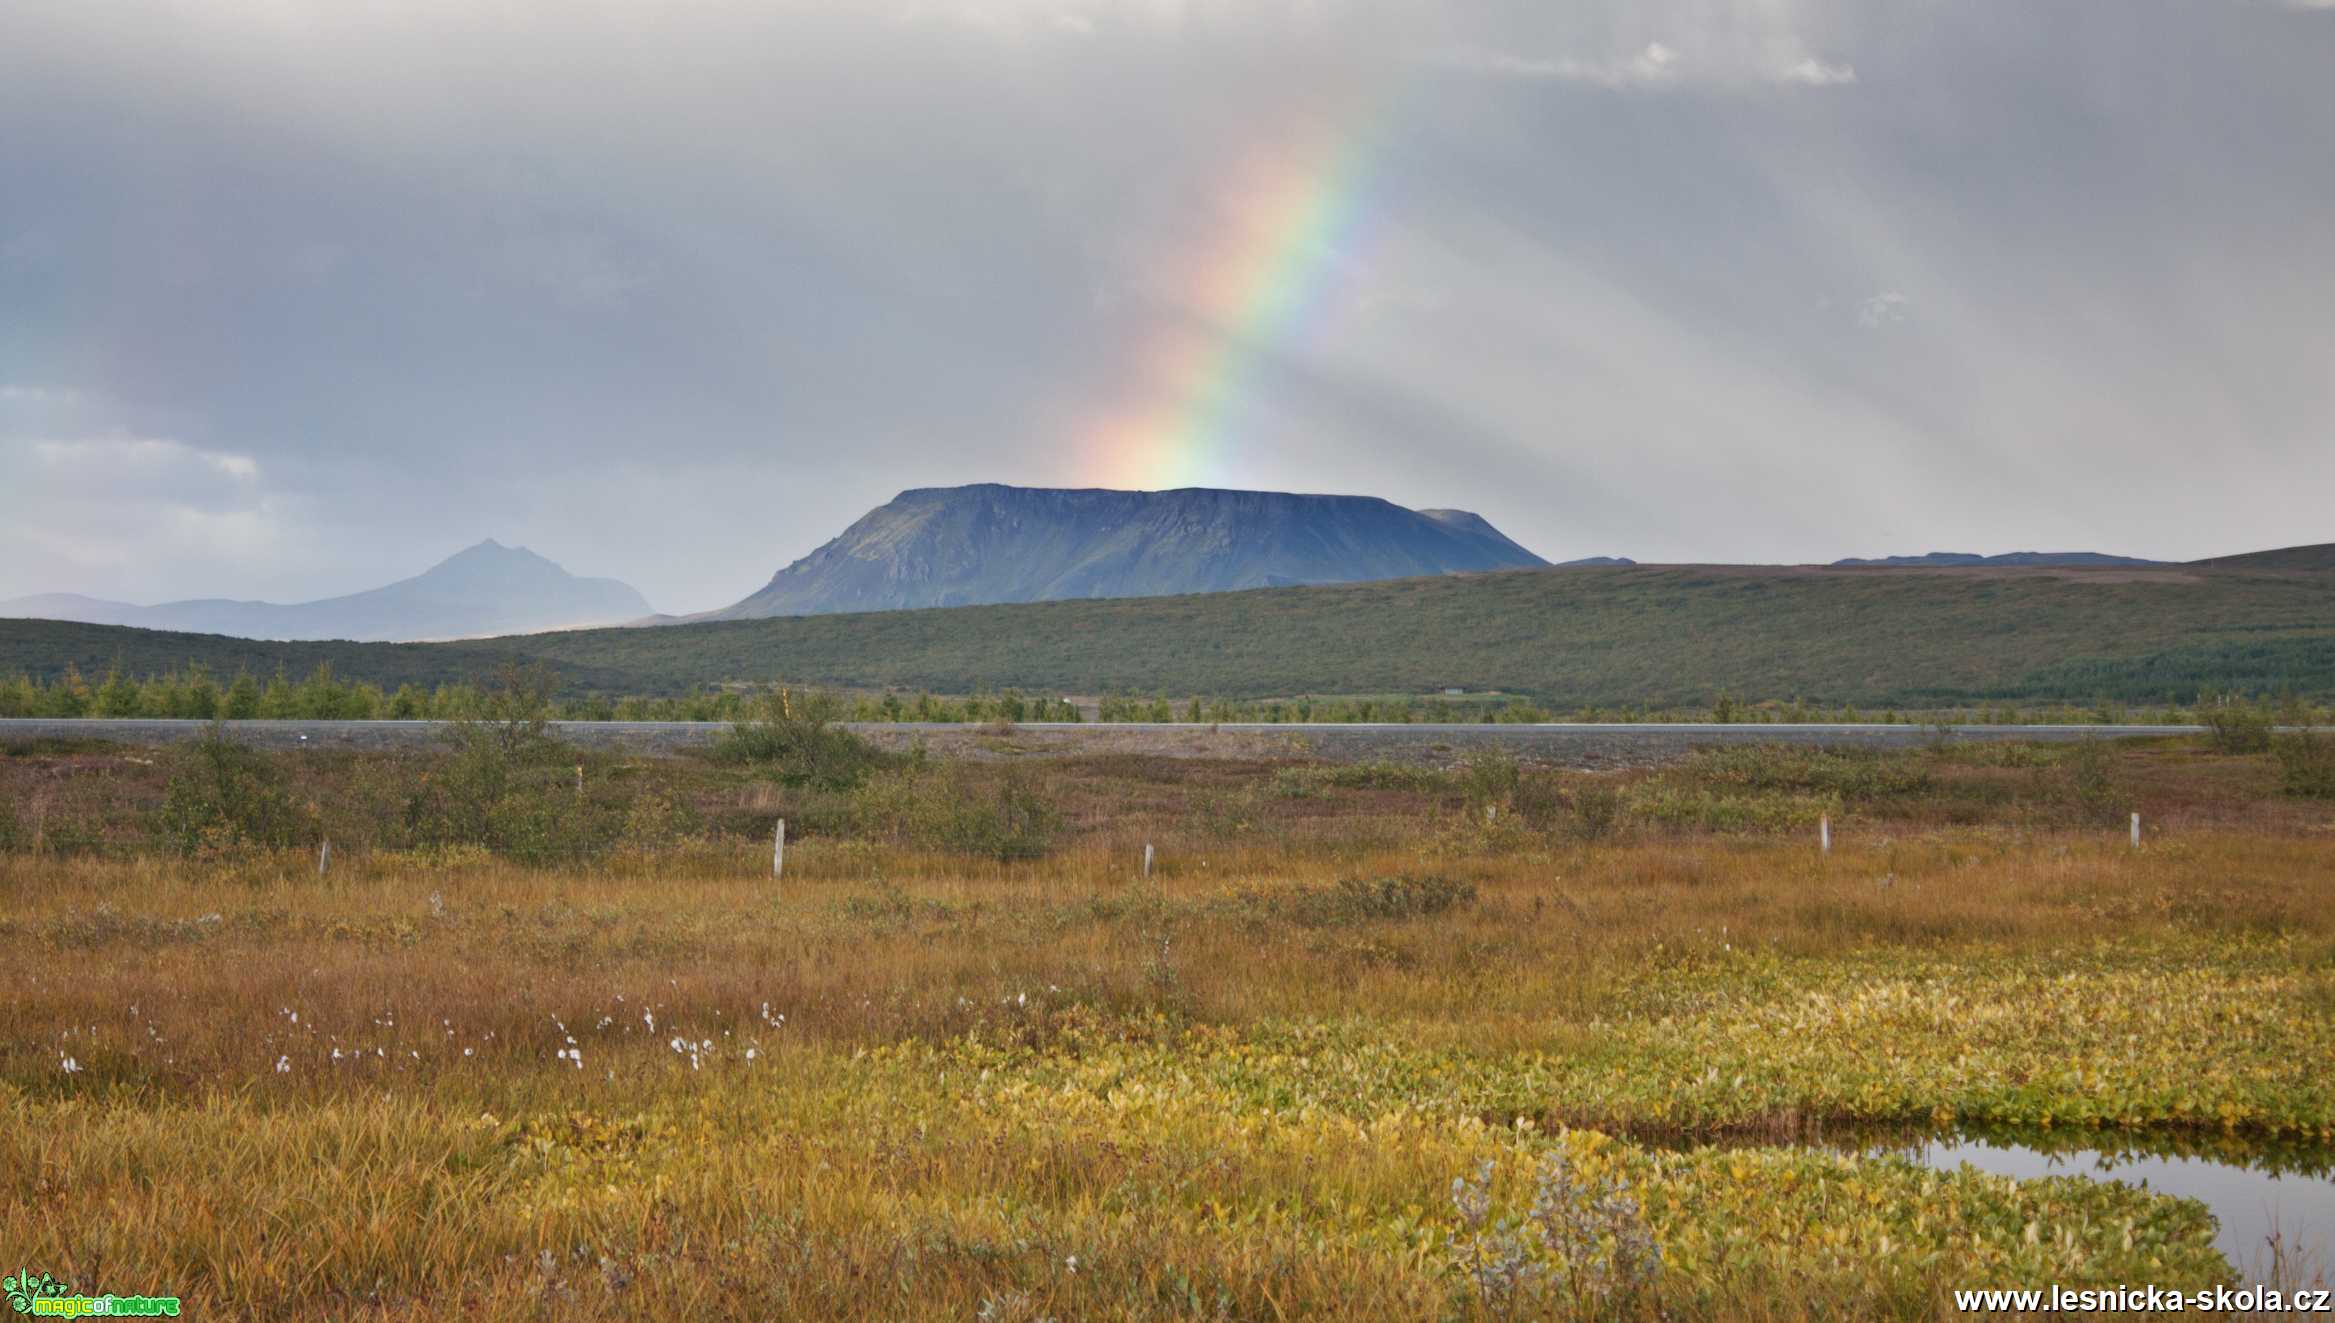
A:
[1698,809]
[794,736]
[1540,799]
[510,787]
[2088,781]
[2306,764]
[2018,754]
[1850,774]
[950,809]
[1490,777]
[1297,782]
[1597,809]
[2237,728]
[224,797]
[1223,816]
[1361,900]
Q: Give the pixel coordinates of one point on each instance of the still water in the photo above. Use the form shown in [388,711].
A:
[2251,1196]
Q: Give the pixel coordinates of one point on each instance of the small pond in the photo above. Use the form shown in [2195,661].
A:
[2251,1191]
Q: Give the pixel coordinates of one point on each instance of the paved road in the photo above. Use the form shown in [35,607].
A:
[1570,743]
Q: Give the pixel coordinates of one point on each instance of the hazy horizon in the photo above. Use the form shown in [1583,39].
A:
[299,303]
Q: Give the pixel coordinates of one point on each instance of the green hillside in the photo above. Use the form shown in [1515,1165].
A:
[44,649]
[2319,557]
[1650,634]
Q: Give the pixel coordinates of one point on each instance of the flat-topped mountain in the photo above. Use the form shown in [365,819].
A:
[962,546]
[486,589]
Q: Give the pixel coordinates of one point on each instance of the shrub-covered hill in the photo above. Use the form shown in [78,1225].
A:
[1606,636]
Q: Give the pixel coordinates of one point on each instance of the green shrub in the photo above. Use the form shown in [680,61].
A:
[1489,777]
[1299,782]
[509,786]
[952,809]
[519,801]
[224,796]
[792,735]
[1991,753]
[1597,809]
[1850,774]
[2306,763]
[1224,816]
[1540,799]
[1698,808]
[653,819]
[2237,728]
[2090,780]
[1361,900]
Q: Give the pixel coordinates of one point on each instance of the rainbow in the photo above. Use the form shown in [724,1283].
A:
[1260,284]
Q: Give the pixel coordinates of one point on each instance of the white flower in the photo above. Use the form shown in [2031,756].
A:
[69,1066]
[1071,1263]
[283,1065]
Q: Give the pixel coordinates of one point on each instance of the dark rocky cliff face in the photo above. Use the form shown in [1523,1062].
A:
[958,546]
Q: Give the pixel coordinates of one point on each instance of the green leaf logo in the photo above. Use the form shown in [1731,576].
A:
[24,1288]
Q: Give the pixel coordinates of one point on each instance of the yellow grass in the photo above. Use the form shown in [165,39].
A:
[903,1085]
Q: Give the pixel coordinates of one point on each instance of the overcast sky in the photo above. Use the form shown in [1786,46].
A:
[297,298]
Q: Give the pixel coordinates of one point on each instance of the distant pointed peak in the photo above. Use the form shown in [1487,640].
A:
[491,557]
[489,549]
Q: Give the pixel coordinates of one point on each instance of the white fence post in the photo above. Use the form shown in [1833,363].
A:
[1147,859]
[2136,831]
[323,858]
[778,850]
[1824,833]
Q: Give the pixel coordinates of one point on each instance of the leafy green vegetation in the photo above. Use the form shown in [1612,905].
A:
[2306,762]
[794,737]
[224,797]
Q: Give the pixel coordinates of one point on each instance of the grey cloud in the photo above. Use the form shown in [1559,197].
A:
[672,295]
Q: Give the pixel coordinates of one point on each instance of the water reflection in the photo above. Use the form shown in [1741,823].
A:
[2254,1190]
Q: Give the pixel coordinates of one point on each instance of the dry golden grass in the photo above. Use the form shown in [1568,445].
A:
[906,1084]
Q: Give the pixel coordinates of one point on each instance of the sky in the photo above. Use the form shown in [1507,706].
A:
[299,298]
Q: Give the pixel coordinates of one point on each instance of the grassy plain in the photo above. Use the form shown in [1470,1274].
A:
[1664,636]
[927,1077]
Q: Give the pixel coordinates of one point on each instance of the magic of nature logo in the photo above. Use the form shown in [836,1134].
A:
[43,1296]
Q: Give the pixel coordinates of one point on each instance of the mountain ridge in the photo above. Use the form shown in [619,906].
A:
[1956,558]
[482,590]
